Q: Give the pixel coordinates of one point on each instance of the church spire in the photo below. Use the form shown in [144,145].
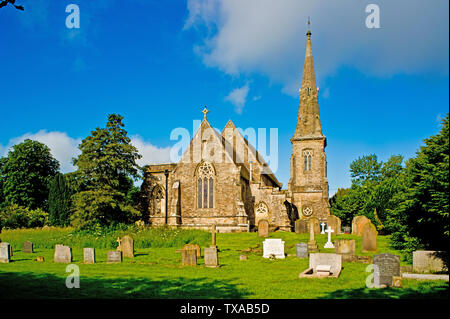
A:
[308,121]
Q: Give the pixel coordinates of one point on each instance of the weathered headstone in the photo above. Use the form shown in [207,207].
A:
[302,250]
[301,226]
[345,246]
[358,224]
[188,257]
[329,244]
[429,261]
[315,224]
[312,245]
[369,238]
[114,256]
[27,247]
[89,255]
[210,256]
[195,247]
[335,223]
[63,254]
[386,266]
[273,247]
[263,228]
[5,252]
[127,246]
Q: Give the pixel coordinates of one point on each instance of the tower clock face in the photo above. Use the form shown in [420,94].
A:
[307,211]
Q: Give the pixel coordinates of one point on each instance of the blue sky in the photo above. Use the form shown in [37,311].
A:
[158,63]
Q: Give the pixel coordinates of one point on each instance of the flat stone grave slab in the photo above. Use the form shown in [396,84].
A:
[114,256]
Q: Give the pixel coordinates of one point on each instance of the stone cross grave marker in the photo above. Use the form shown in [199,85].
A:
[27,247]
[114,256]
[329,244]
[323,228]
[263,228]
[63,254]
[302,250]
[386,266]
[273,246]
[213,236]
[5,252]
[89,255]
[211,258]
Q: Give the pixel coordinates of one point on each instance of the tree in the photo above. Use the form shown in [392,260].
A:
[59,201]
[3,3]
[26,174]
[364,169]
[106,167]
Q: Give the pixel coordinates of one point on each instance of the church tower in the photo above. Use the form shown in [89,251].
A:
[308,184]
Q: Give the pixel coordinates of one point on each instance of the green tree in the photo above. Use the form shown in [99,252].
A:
[106,167]
[59,201]
[26,174]
[365,169]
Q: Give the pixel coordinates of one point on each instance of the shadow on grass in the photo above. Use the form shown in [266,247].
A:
[25,285]
[423,291]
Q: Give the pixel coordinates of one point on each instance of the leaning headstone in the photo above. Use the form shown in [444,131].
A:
[386,266]
[27,247]
[63,254]
[302,250]
[358,224]
[211,258]
[429,261]
[188,257]
[301,226]
[127,244]
[114,256]
[335,223]
[89,255]
[369,238]
[195,247]
[5,252]
[273,247]
[263,228]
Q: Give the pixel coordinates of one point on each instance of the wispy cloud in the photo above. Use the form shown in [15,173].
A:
[238,97]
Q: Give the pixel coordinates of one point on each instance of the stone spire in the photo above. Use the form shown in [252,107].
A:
[308,121]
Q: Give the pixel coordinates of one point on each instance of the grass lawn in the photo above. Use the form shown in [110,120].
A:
[156,272]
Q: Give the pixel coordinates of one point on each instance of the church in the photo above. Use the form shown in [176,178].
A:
[222,180]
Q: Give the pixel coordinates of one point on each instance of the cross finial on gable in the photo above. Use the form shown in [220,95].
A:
[205,111]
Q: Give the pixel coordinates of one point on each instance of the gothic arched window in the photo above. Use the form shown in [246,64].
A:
[307,158]
[157,200]
[205,186]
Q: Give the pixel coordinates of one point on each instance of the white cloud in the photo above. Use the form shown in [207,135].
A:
[151,154]
[238,97]
[268,37]
[62,146]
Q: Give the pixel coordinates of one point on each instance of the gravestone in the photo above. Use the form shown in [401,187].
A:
[213,237]
[273,247]
[5,252]
[263,228]
[27,247]
[369,237]
[301,226]
[358,224]
[195,247]
[345,246]
[429,261]
[211,258]
[329,244]
[127,246]
[89,255]
[347,229]
[114,256]
[63,254]
[335,223]
[322,259]
[315,223]
[302,250]
[388,266]
[312,245]
[323,228]
[188,257]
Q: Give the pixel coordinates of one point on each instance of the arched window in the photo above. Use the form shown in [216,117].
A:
[157,200]
[205,186]
[307,158]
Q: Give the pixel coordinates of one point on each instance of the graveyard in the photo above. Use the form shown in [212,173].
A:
[157,267]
